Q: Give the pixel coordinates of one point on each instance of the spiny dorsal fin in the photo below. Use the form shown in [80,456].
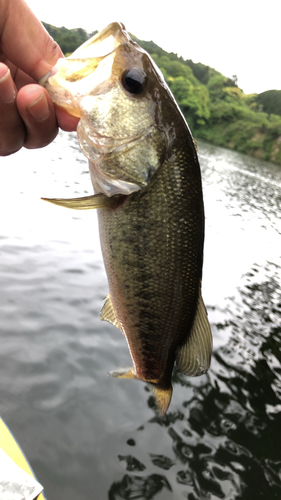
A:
[107,312]
[194,357]
[85,203]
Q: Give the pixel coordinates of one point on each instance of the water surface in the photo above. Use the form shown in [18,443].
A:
[90,436]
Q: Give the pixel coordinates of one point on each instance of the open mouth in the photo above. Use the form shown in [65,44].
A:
[85,69]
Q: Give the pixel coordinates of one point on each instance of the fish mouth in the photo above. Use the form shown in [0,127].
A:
[103,43]
[85,70]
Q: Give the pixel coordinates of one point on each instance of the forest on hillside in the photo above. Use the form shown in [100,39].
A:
[215,108]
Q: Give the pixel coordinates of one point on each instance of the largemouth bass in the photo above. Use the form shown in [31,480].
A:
[147,182]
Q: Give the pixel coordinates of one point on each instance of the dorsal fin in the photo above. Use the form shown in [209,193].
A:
[193,358]
[85,203]
[107,312]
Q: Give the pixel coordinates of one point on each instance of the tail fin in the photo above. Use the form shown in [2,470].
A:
[162,396]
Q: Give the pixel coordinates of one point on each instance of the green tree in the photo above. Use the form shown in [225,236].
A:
[68,40]
[270,101]
[192,99]
[215,86]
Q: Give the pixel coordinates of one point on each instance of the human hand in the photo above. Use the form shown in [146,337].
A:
[27,115]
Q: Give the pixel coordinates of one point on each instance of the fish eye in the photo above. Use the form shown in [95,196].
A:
[134,80]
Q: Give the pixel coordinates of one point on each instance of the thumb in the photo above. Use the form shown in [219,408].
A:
[24,41]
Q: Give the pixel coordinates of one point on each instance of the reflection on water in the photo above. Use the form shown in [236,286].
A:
[89,436]
[138,487]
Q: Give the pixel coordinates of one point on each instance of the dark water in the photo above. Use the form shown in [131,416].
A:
[90,436]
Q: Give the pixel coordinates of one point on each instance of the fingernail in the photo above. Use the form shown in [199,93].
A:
[39,109]
[7,89]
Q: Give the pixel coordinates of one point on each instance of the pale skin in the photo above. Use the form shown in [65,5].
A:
[28,117]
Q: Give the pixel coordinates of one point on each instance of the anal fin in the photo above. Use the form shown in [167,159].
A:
[162,398]
[194,357]
[107,312]
[123,373]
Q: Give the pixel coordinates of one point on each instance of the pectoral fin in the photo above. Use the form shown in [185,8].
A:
[107,312]
[85,203]
[193,358]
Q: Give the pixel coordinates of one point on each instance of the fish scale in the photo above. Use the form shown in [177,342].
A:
[161,299]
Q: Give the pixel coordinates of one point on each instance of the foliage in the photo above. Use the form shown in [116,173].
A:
[68,40]
[270,101]
[213,105]
[192,99]
[215,86]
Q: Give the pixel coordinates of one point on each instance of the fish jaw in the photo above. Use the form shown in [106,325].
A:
[71,80]
[75,76]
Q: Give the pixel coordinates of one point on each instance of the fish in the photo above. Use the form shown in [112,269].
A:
[147,186]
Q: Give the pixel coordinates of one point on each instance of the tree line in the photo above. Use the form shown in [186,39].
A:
[215,108]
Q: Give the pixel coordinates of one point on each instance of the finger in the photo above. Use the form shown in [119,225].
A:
[66,121]
[12,128]
[24,40]
[21,79]
[38,114]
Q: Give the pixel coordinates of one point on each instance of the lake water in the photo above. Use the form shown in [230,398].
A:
[90,436]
